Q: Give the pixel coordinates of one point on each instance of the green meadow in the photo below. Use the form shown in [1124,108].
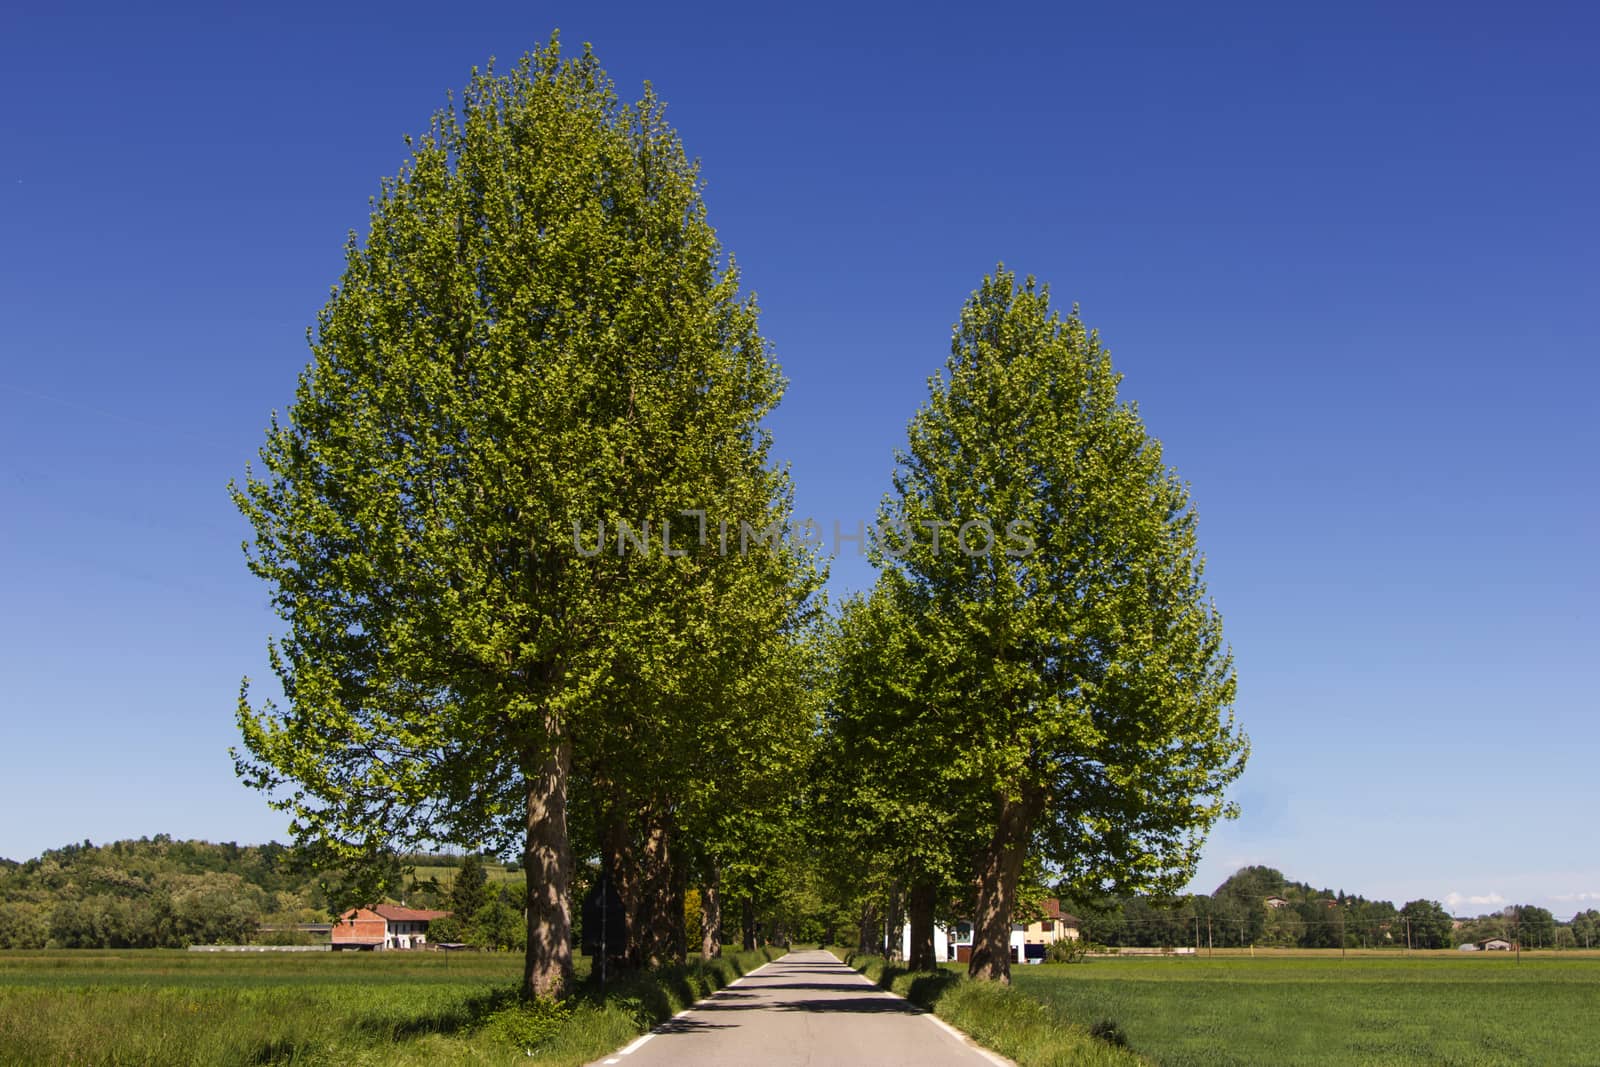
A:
[169,1007]
[1435,1009]
[154,1006]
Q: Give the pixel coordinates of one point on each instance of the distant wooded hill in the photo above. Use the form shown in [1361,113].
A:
[1260,906]
[158,892]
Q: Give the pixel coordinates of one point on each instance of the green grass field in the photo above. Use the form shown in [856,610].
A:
[1434,1009]
[380,1008]
[161,1007]
[494,872]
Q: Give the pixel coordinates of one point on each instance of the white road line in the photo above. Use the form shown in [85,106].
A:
[631,1049]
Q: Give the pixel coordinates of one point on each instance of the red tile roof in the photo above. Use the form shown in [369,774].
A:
[396,914]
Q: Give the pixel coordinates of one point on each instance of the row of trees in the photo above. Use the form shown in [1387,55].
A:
[509,525]
[529,544]
[1237,915]
[161,893]
[1056,708]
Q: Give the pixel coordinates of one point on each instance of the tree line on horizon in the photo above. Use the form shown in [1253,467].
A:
[1236,915]
[157,892]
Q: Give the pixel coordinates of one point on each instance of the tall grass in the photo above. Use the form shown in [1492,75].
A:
[153,1007]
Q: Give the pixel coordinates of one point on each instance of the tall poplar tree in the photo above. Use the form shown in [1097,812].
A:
[538,341]
[1070,658]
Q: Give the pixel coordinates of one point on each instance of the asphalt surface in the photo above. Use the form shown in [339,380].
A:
[804,1010]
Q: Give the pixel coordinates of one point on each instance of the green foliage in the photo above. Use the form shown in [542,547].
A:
[498,925]
[450,930]
[1535,927]
[469,889]
[1066,950]
[526,1025]
[153,892]
[539,340]
[157,892]
[693,916]
[1253,885]
[884,774]
[288,937]
[535,337]
[1430,925]
[1086,679]
[1237,915]
[24,925]
[1586,929]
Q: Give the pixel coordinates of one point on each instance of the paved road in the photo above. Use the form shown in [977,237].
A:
[804,1010]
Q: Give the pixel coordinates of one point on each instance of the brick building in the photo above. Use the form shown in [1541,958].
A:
[383,927]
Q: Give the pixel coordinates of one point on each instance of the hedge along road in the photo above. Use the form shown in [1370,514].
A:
[804,1009]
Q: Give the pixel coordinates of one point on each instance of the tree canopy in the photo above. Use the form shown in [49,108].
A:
[1073,671]
[492,521]
[525,533]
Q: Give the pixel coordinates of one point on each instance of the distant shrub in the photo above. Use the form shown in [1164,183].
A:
[1066,950]
[1107,1030]
[449,930]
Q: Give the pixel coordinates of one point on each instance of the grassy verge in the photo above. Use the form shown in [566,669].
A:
[1000,1018]
[380,1009]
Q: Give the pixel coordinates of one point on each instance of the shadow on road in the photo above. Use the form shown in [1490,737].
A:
[687,1025]
[777,993]
[874,1004]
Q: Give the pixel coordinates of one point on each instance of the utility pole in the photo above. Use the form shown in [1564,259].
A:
[1210,951]
[1408,936]
[1197,935]
[1341,932]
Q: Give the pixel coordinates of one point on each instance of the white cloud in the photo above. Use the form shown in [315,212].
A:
[1453,901]
[1576,898]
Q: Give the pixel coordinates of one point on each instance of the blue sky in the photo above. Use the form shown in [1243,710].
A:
[1346,261]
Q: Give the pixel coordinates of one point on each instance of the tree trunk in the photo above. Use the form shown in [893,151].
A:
[678,890]
[1000,867]
[711,918]
[893,925]
[547,966]
[868,942]
[748,917]
[660,930]
[617,853]
[920,906]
